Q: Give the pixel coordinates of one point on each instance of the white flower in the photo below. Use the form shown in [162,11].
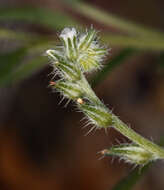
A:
[82,49]
[69,36]
[68,33]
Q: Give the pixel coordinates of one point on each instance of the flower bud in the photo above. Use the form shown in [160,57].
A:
[97,114]
[67,70]
[90,52]
[131,153]
[69,37]
[56,56]
[86,40]
[88,63]
[68,89]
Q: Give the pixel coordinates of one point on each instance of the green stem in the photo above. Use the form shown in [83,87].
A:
[130,133]
[138,139]
[88,90]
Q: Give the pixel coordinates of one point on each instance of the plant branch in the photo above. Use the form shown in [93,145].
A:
[82,53]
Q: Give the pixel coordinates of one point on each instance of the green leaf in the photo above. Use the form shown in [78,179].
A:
[43,16]
[116,61]
[27,69]
[9,62]
[12,69]
[9,34]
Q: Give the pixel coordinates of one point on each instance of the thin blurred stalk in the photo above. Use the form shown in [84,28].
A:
[16,69]
[134,42]
[27,69]
[9,34]
[114,21]
[9,62]
[52,19]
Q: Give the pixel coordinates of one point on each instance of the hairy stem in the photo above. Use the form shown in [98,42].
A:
[137,138]
[132,135]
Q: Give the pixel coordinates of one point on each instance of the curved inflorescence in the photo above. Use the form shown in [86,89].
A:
[81,53]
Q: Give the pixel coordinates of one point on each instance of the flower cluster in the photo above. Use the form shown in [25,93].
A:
[80,53]
[84,49]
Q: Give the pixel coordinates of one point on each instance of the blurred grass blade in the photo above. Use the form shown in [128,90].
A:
[29,68]
[26,38]
[113,21]
[9,62]
[23,71]
[134,42]
[116,61]
[43,16]
[14,67]
[12,35]
[129,181]
[161,62]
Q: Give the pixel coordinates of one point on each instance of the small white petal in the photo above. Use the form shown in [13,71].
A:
[68,33]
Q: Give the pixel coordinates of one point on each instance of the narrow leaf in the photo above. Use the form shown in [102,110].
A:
[43,16]
[9,62]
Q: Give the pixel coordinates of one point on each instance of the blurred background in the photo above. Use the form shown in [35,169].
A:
[42,143]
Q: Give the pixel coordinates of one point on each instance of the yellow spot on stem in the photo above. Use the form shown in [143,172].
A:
[80,101]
